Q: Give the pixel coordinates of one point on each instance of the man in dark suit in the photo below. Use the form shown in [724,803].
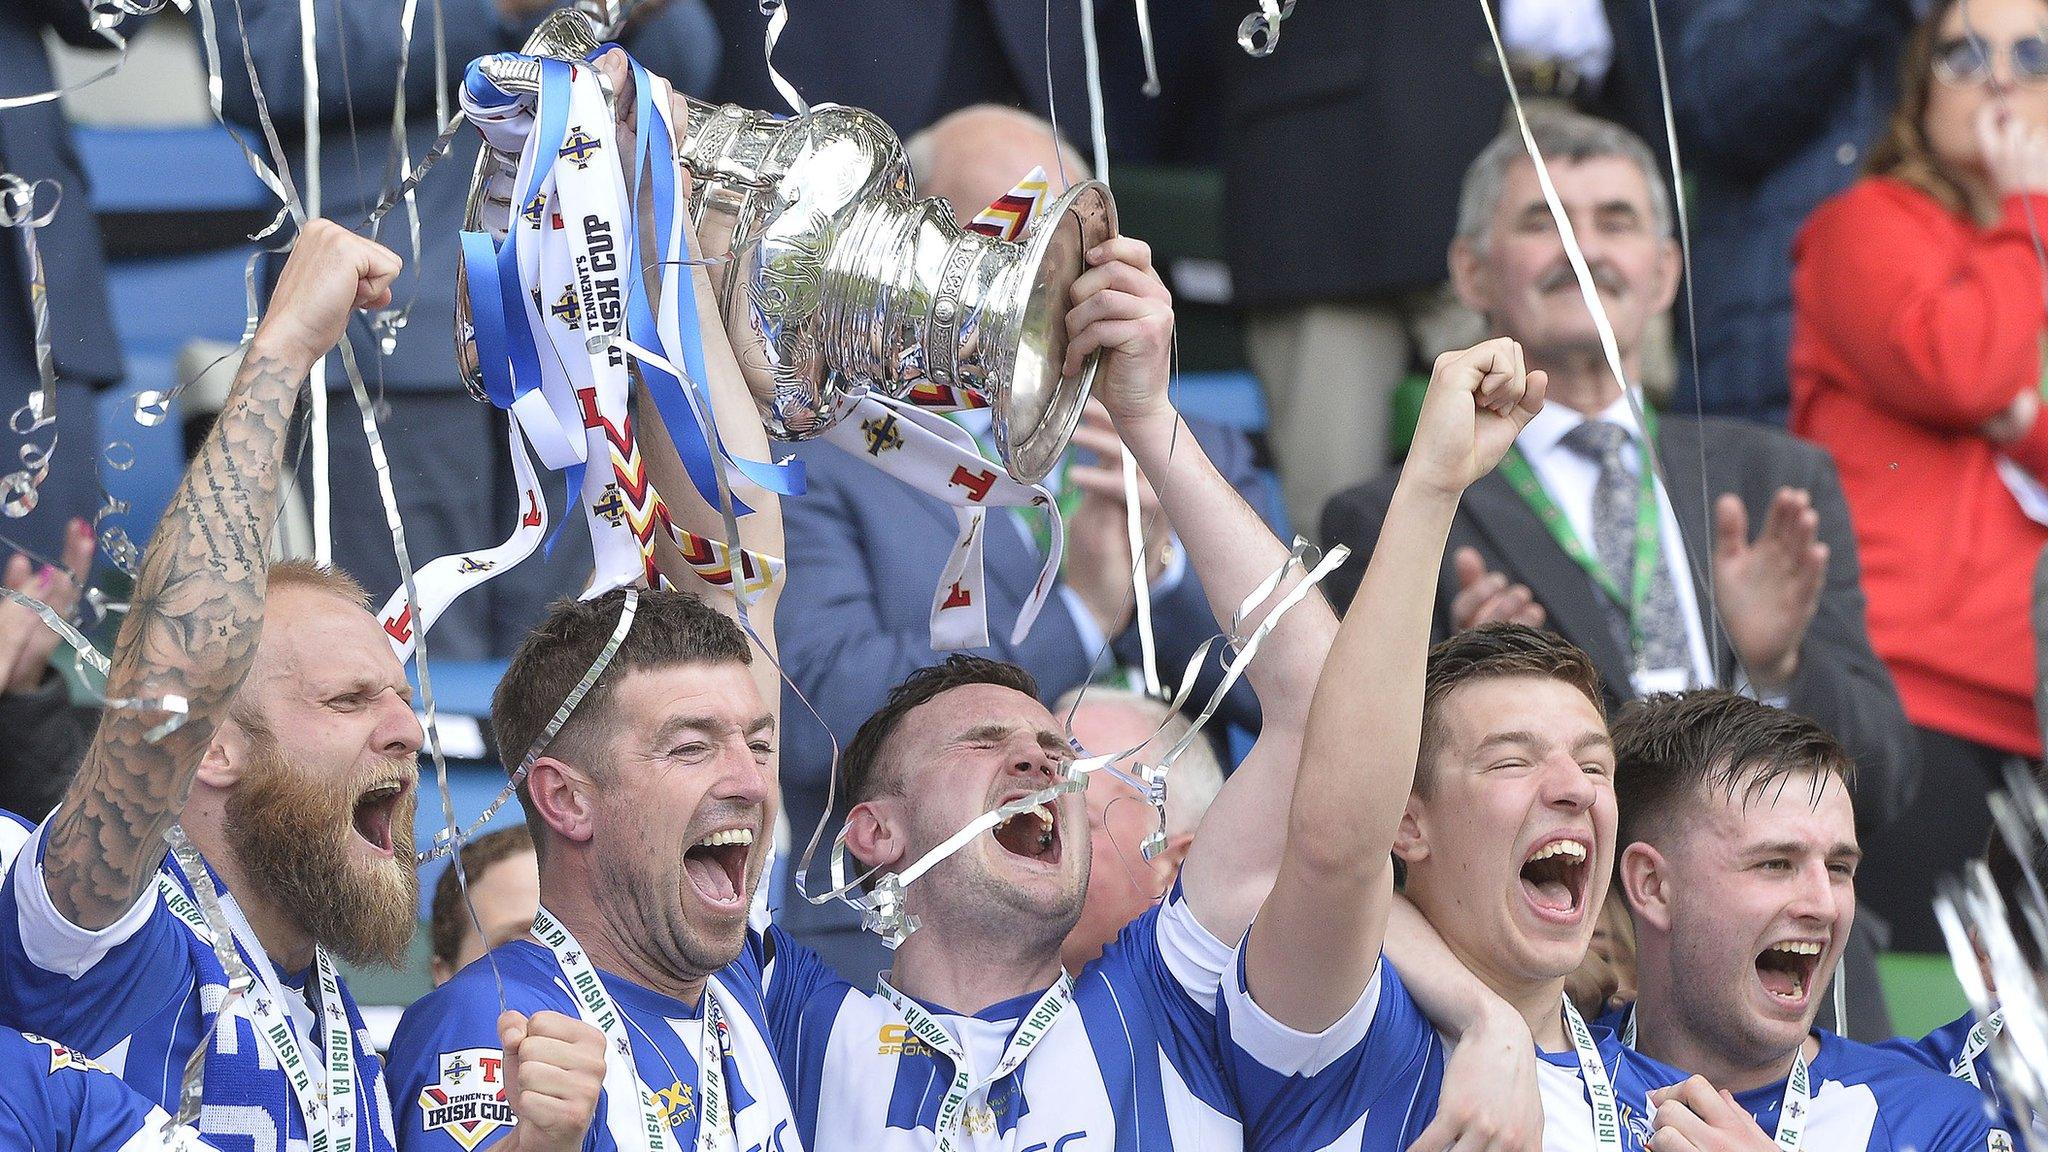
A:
[912,61]
[865,552]
[1667,595]
[36,144]
[1336,242]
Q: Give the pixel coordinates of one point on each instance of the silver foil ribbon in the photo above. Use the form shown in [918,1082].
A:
[1983,928]
[1259,33]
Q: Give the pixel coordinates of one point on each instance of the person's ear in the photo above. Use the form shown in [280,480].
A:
[562,799]
[1645,878]
[1468,276]
[874,835]
[1411,838]
[1670,263]
[228,756]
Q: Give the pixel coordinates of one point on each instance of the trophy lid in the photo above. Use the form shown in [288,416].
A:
[1043,406]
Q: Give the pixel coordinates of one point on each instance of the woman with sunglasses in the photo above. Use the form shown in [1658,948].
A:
[1917,362]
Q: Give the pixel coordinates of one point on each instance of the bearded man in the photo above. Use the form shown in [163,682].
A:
[262,727]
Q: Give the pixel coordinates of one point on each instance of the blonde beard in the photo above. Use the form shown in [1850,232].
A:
[290,832]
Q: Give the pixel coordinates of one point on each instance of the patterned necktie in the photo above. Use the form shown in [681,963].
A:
[1661,631]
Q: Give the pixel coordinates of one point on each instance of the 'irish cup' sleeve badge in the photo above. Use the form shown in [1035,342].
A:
[468,1104]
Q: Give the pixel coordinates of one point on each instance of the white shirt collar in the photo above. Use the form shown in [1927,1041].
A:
[1550,426]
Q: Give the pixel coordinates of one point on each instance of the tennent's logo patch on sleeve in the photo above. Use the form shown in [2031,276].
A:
[469,1102]
[62,1057]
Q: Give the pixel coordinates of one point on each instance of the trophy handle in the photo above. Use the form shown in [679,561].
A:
[1037,408]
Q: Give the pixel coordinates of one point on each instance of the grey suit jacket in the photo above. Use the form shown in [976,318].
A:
[1840,683]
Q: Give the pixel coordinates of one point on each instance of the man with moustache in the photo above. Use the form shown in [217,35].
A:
[1739,863]
[1560,536]
[1485,765]
[261,724]
[1663,589]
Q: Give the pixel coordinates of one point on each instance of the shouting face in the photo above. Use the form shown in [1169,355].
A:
[1510,841]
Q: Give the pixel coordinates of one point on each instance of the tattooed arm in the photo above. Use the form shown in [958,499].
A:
[197,611]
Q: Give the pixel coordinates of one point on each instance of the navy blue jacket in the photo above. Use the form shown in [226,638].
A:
[35,143]
[1777,104]
[912,61]
[676,41]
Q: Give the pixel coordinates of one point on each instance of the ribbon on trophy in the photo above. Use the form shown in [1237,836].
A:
[557,307]
[1008,218]
[939,458]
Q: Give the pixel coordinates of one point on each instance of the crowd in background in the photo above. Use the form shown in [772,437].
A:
[1845,379]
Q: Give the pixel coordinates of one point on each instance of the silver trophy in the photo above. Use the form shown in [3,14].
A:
[1984,928]
[835,279]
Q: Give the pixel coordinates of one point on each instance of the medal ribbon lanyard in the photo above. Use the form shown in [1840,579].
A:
[953,1108]
[1516,470]
[330,1115]
[1964,1066]
[621,1075]
[1792,1110]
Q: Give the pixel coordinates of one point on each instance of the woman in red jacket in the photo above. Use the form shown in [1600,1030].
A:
[1917,362]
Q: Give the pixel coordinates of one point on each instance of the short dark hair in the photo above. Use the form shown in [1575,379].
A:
[669,628]
[864,775]
[449,919]
[1672,749]
[1488,652]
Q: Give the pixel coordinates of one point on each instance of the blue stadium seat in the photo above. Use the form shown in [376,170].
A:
[176,193]
[1232,398]
[195,170]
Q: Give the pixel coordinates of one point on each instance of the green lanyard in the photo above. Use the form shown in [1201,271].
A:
[1515,469]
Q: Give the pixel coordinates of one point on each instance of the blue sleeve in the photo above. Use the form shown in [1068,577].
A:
[1937,1114]
[1925,1052]
[90,990]
[794,975]
[57,1100]
[803,995]
[445,1064]
[679,43]
[1295,1092]
[1174,967]
[1753,80]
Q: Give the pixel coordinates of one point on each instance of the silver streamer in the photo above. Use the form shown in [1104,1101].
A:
[20,491]
[1259,33]
[1982,929]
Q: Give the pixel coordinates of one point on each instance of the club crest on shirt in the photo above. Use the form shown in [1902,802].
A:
[469,1102]
[1635,1124]
[62,1057]
[1999,1141]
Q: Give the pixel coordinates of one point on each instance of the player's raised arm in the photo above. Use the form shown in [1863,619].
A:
[197,610]
[1124,310]
[1318,936]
